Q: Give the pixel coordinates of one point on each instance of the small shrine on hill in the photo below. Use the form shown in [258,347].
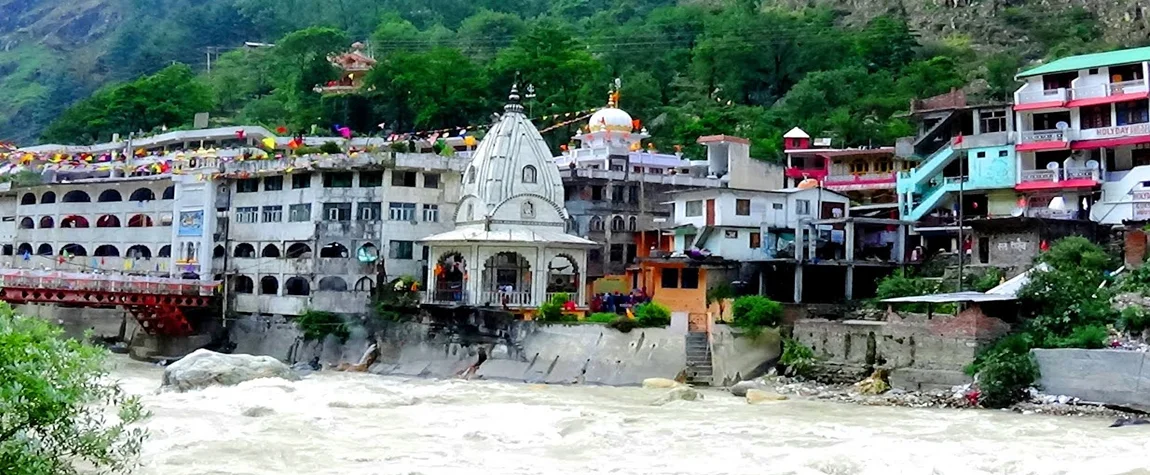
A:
[354,66]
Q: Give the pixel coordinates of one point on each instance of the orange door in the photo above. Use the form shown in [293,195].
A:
[710,212]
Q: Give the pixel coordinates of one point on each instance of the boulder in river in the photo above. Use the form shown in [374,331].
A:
[678,393]
[205,368]
[759,396]
[740,388]
[660,383]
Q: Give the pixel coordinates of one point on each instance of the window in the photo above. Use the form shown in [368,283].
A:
[694,208]
[631,249]
[247,214]
[617,194]
[274,183]
[431,213]
[633,224]
[1003,153]
[1094,117]
[617,253]
[273,214]
[656,171]
[471,174]
[337,180]
[431,180]
[370,211]
[1132,112]
[616,168]
[883,166]
[992,121]
[618,224]
[743,207]
[858,167]
[370,179]
[756,240]
[776,206]
[249,185]
[637,169]
[670,278]
[299,213]
[403,178]
[731,234]
[594,255]
[981,154]
[596,193]
[802,207]
[596,223]
[401,250]
[301,180]
[689,279]
[530,174]
[401,211]
[633,194]
[337,211]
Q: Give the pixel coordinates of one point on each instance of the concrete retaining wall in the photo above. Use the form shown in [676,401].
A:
[736,356]
[102,322]
[1109,376]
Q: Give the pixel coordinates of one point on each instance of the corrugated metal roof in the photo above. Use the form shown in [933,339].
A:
[1090,61]
[952,298]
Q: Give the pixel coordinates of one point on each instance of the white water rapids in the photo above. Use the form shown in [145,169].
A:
[351,424]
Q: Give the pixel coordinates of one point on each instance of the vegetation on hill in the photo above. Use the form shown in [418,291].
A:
[739,67]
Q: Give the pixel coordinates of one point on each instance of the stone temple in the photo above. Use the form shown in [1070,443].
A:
[509,246]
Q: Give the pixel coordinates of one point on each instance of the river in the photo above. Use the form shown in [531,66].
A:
[350,424]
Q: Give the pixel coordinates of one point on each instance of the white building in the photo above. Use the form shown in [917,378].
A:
[509,246]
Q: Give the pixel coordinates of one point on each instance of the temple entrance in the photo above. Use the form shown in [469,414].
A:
[450,277]
[563,277]
[507,280]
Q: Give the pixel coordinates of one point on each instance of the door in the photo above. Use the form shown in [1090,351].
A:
[710,212]
[983,250]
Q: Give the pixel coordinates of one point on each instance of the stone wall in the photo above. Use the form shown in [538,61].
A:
[737,356]
[102,322]
[1107,376]
[923,353]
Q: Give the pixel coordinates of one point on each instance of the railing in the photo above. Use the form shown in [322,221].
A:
[445,297]
[1072,173]
[614,175]
[1039,175]
[512,299]
[1048,95]
[105,283]
[1029,136]
[1111,89]
[833,179]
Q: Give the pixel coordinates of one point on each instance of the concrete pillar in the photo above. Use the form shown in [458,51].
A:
[798,283]
[474,276]
[581,295]
[431,279]
[538,277]
[763,280]
[849,287]
[849,241]
[900,245]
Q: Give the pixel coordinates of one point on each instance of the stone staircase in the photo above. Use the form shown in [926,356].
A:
[699,371]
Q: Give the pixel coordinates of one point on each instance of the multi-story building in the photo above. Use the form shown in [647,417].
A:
[866,175]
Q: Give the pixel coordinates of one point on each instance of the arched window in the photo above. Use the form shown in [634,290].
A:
[270,250]
[47,222]
[219,251]
[618,224]
[8,250]
[165,251]
[169,193]
[471,174]
[244,250]
[365,284]
[139,251]
[27,223]
[297,286]
[74,222]
[142,194]
[75,196]
[107,250]
[332,283]
[243,285]
[48,197]
[633,224]
[108,221]
[530,174]
[109,196]
[26,248]
[333,250]
[298,250]
[73,250]
[367,253]
[140,221]
[28,199]
[596,223]
[269,285]
[44,250]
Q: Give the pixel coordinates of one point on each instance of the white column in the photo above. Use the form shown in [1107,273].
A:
[430,279]
[581,298]
[474,276]
[538,277]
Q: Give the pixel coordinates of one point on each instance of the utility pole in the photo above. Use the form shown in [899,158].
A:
[209,52]
[961,211]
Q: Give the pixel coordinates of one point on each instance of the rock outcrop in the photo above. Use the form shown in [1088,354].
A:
[205,368]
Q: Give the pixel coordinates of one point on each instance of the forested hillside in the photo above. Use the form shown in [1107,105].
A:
[79,71]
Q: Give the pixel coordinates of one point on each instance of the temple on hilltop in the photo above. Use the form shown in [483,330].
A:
[354,66]
[509,247]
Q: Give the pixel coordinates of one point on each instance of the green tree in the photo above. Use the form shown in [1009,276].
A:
[886,43]
[562,71]
[1068,294]
[54,394]
[753,312]
[424,90]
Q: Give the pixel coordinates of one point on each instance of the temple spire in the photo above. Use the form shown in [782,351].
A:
[513,104]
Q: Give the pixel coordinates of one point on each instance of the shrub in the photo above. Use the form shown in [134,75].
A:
[1134,319]
[623,324]
[1137,281]
[651,314]
[602,317]
[398,147]
[1067,295]
[1091,337]
[987,281]
[901,284]
[552,310]
[305,150]
[316,326]
[55,394]
[798,358]
[756,312]
[1005,370]
[330,147]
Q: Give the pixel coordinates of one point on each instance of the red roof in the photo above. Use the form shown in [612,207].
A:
[1039,105]
[1038,146]
[1110,143]
[1093,101]
[1056,185]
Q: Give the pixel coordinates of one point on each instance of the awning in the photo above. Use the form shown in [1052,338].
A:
[1056,185]
[1040,105]
[1093,101]
[1110,143]
[953,297]
[1041,146]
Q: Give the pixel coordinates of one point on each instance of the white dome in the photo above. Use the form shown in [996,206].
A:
[610,118]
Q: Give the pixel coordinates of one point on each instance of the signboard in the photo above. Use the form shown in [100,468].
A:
[1141,211]
[191,223]
[1137,129]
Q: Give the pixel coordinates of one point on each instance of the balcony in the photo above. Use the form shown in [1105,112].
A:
[864,181]
[1041,99]
[1073,177]
[802,173]
[1039,140]
[1108,93]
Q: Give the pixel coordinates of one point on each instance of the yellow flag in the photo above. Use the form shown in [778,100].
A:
[269,142]
[630,316]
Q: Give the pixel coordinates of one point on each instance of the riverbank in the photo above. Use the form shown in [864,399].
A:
[958,397]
